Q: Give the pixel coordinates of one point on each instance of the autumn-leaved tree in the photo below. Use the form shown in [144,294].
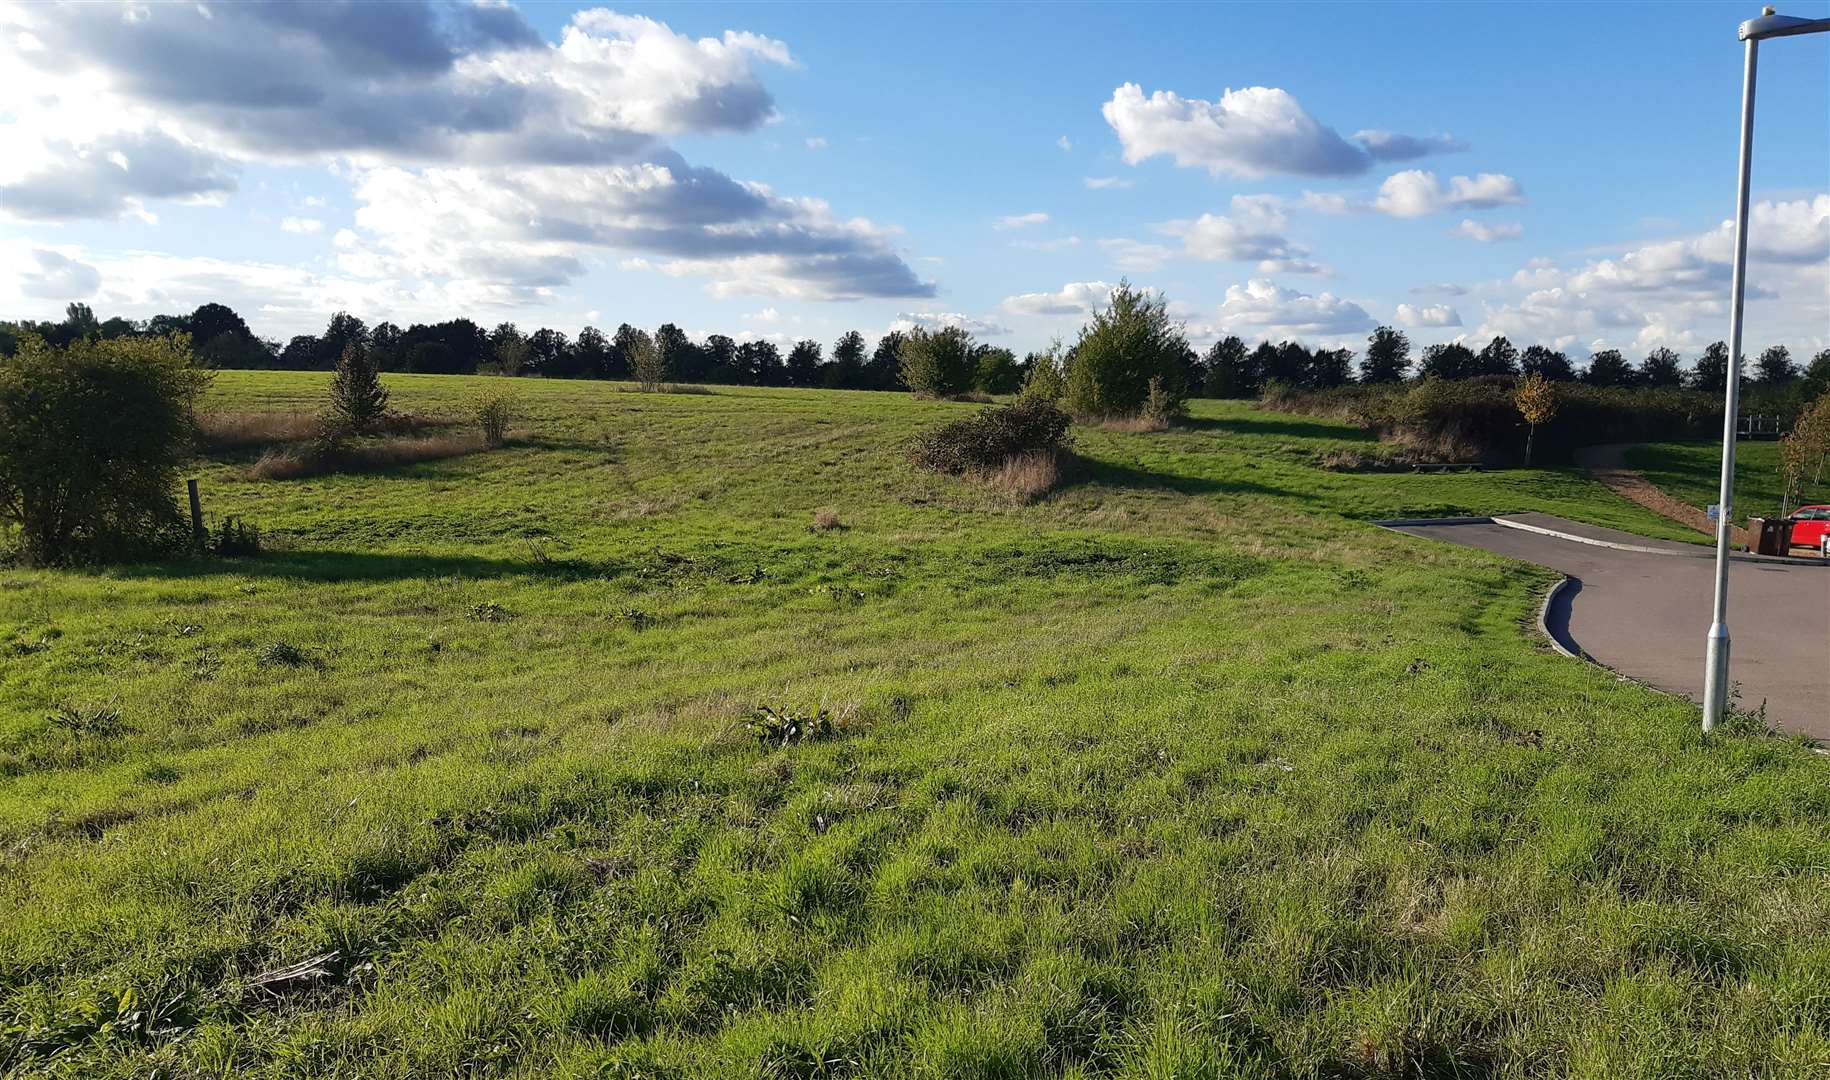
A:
[1536,399]
[1804,451]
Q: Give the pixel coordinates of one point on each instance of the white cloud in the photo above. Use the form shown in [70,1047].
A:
[1253,233]
[1430,315]
[1446,289]
[300,225]
[1065,143]
[1253,132]
[935,320]
[818,142]
[1020,221]
[1489,234]
[59,278]
[1059,244]
[1135,255]
[1074,298]
[1263,307]
[1106,183]
[1417,192]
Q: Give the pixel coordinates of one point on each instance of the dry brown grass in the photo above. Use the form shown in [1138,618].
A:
[826,519]
[1134,425]
[1027,477]
[239,430]
[298,462]
[666,388]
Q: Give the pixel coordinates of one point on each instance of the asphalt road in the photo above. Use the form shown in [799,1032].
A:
[1645,613]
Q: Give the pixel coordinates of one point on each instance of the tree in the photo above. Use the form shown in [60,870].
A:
[937,363]
[1660,368]
[1289,365]
[1129,341]
[1044,376]
[1536,400]
[1330,367]
[211,321]
[804,363]
[646,361]
[1775,366]
[1550,363]
[995,371]
[761,363]
[721,359]
[91,439]
[430,356]
[300,353]
[1229,370]
[884,372]
[357,398]
[549,353]
[342,331]
[508,349]
[591,352]
[1388,357]
[1819,369]
[80,320]
[1448,361]
[1608,368]
[846,372]
[1805,450]
[1497,357]
[1262,361]
[679,356]
[622,349]
[1711,369]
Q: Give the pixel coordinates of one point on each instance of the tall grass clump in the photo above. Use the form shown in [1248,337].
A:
[494,409]
[1128,359]
[91,437]
[1015,448]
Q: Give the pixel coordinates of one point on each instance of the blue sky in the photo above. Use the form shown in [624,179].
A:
[793,171]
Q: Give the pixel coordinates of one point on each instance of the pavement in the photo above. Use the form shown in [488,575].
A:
[1643,609]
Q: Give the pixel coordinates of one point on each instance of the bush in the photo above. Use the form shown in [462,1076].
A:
[648,362]
[494,410]
[91,437]
[983,443]
[938,363]
[235,538]
[1129,342]
[1045,379]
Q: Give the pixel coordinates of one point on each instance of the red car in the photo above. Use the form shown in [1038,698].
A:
[1811,528]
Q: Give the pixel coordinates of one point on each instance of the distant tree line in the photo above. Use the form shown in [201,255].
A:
[1230,368]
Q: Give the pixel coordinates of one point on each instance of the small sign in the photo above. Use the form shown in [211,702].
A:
[1714,512]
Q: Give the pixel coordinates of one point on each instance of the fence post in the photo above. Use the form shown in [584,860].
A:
[198,537]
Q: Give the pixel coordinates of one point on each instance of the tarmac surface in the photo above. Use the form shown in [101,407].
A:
[1645,612]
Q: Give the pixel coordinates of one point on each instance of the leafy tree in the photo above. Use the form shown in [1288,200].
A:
[508,349]
[646,361]
[804,363]
[1819,369]
[80,320]
[357,398]
[884,371]
[1229,370]
[1536,400]
[721,359]
[1262,361]
[1711,369]
[1448,361]
[91,439]
[937,363]
[1290,364]
[1330,367]
[761,363]
[846,372]
[342,331]
[1388,357]
[430,356]
[1129,341]
[678,353]
[1775,366]
[211,321]
[996,371]
[1660,368]
[300,353]
[1497,357]
[622,348]
[1550,363]
[592,353]
[1608,368]
[549,353]
[1044,375]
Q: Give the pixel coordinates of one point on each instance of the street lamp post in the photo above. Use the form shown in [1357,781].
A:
[1715,676]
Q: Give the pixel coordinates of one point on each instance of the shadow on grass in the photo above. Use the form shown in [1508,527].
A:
[1112,474]
[1279,424]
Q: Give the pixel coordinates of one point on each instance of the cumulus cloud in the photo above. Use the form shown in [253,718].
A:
[936,320]
[1429,315]
[1263,307]
[59,277]
[1417,193]
[1253,132]
[1105,183]
[1253,233]
[1074,298]
[1489,234]
[301,225]
[1446,289]
[1020,221]
[1059,244]
[109,176]
[1136,255]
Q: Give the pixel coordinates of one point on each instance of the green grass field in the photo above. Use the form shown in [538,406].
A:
[1690,471]
[1184,770]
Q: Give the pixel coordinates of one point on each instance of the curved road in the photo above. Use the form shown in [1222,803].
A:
[1645,612]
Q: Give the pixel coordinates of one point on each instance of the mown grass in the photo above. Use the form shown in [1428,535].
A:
[1691,472]
[1181,770]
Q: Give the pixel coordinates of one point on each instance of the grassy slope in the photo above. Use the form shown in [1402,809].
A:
[1690,471]
[1179,772]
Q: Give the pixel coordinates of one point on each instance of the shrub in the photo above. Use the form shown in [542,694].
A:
[647,361]
[357,398]
[91,437]
[1128,342]
[784,727]
[982,443]
[494,409]
[937,363]
[1045,379]
[234,538]
[1160,406]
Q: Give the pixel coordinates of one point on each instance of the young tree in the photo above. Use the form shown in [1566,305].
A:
[804,363]
[508,348]
[357,398]
[1711,369]
[1497,357]
[937,363]
[1229,370]
[1043,375]
[91,438]
[1128,342]
[1550,363]
[646,361]
[1775,366]
[1536,400]
[622,351]
[1449,361]
[995,370]
[1388,357]
[1660,368]
[1608,368]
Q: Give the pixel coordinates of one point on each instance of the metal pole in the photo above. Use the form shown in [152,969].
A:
[198,537]
[1715,676]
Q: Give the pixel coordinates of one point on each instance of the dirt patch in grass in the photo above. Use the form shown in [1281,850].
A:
[1606,464]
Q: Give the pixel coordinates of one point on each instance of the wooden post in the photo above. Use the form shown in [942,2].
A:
[198,536]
